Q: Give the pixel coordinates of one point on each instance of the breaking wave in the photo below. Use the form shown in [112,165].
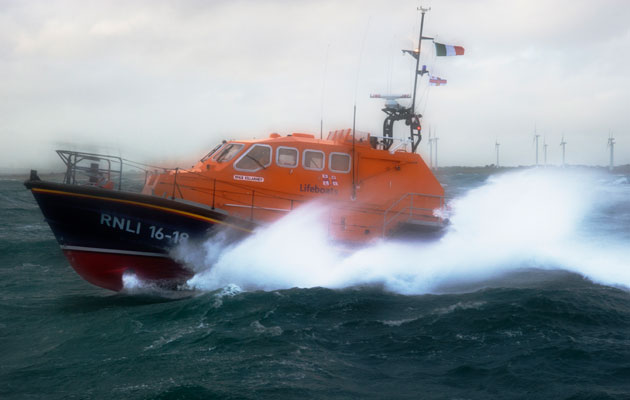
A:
[528,219]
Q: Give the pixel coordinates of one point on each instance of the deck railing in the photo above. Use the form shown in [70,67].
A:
[412,207]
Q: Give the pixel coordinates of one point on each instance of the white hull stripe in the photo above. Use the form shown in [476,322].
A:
[114,251]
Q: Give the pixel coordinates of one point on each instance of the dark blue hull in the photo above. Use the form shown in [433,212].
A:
[105,233]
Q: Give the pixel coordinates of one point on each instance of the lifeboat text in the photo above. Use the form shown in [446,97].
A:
[316,189]
[249,178]
[123,224]
[153,232]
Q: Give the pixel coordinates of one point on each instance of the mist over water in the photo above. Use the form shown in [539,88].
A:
[529,219]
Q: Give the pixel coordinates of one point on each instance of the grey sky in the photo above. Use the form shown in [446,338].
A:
[163,81]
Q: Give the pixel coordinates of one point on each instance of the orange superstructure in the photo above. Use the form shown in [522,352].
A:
[369,187]
[369,191]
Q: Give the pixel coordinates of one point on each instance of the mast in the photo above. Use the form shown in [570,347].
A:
[415,81]
[396,112]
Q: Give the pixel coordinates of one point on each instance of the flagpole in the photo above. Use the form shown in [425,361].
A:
[415,81]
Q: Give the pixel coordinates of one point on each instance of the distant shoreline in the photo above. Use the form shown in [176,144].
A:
[623,169]
[620,169]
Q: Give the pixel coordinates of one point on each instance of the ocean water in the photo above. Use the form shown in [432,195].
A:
[525,297]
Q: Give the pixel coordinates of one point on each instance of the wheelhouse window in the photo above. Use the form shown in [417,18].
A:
[339,162]
[313,159]
[256,158]
[216,148]
[287,157]
[228,152]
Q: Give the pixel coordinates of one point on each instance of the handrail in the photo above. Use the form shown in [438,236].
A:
[94,172]
[387,221]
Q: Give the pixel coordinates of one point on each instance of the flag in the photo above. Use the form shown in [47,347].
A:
[448,50]
[413,53]
[437,81]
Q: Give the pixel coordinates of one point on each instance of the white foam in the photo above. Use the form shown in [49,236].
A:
[528,218]
[132,283]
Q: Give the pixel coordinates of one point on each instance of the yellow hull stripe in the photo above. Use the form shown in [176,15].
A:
[136,203]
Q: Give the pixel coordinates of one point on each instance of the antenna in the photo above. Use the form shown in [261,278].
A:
[563,144]
[496,147]
[611,145]
[321,121]
[415,80]
[354,115]
[407,114]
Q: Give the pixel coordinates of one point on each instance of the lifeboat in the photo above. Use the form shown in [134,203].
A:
[369,193]
[372,186]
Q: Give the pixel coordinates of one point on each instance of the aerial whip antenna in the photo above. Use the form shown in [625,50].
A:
[354,114]
[321,121]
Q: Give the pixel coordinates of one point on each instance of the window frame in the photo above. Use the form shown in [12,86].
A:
[297,159]
[212,152]
[215,156]
[250,148]
[314,151]
[338,170]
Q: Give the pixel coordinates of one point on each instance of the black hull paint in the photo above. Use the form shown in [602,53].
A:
[87,219]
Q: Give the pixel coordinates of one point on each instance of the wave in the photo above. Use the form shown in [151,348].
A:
[535,218]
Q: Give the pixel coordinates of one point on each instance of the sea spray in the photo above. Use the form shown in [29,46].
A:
[525,219]
[287,253]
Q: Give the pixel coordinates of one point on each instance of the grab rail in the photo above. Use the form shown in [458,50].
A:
[89,165]
[424,211]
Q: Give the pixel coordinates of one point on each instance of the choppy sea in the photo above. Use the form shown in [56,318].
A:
[525,297]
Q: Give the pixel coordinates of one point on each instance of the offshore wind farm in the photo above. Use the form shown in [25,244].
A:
[540,152]
[609,150]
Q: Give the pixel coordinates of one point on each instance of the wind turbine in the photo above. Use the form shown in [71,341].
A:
[496,147]
[611,145]
[536,136]
[563,144]
[545,150]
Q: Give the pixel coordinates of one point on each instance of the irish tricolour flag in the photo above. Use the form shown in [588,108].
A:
[448,50]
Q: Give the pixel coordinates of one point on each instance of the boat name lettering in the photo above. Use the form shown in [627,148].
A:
[135,227]
[124,224]
[158,233]
[249,178]
[316,189]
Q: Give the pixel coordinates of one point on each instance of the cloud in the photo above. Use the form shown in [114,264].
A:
[161,79]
